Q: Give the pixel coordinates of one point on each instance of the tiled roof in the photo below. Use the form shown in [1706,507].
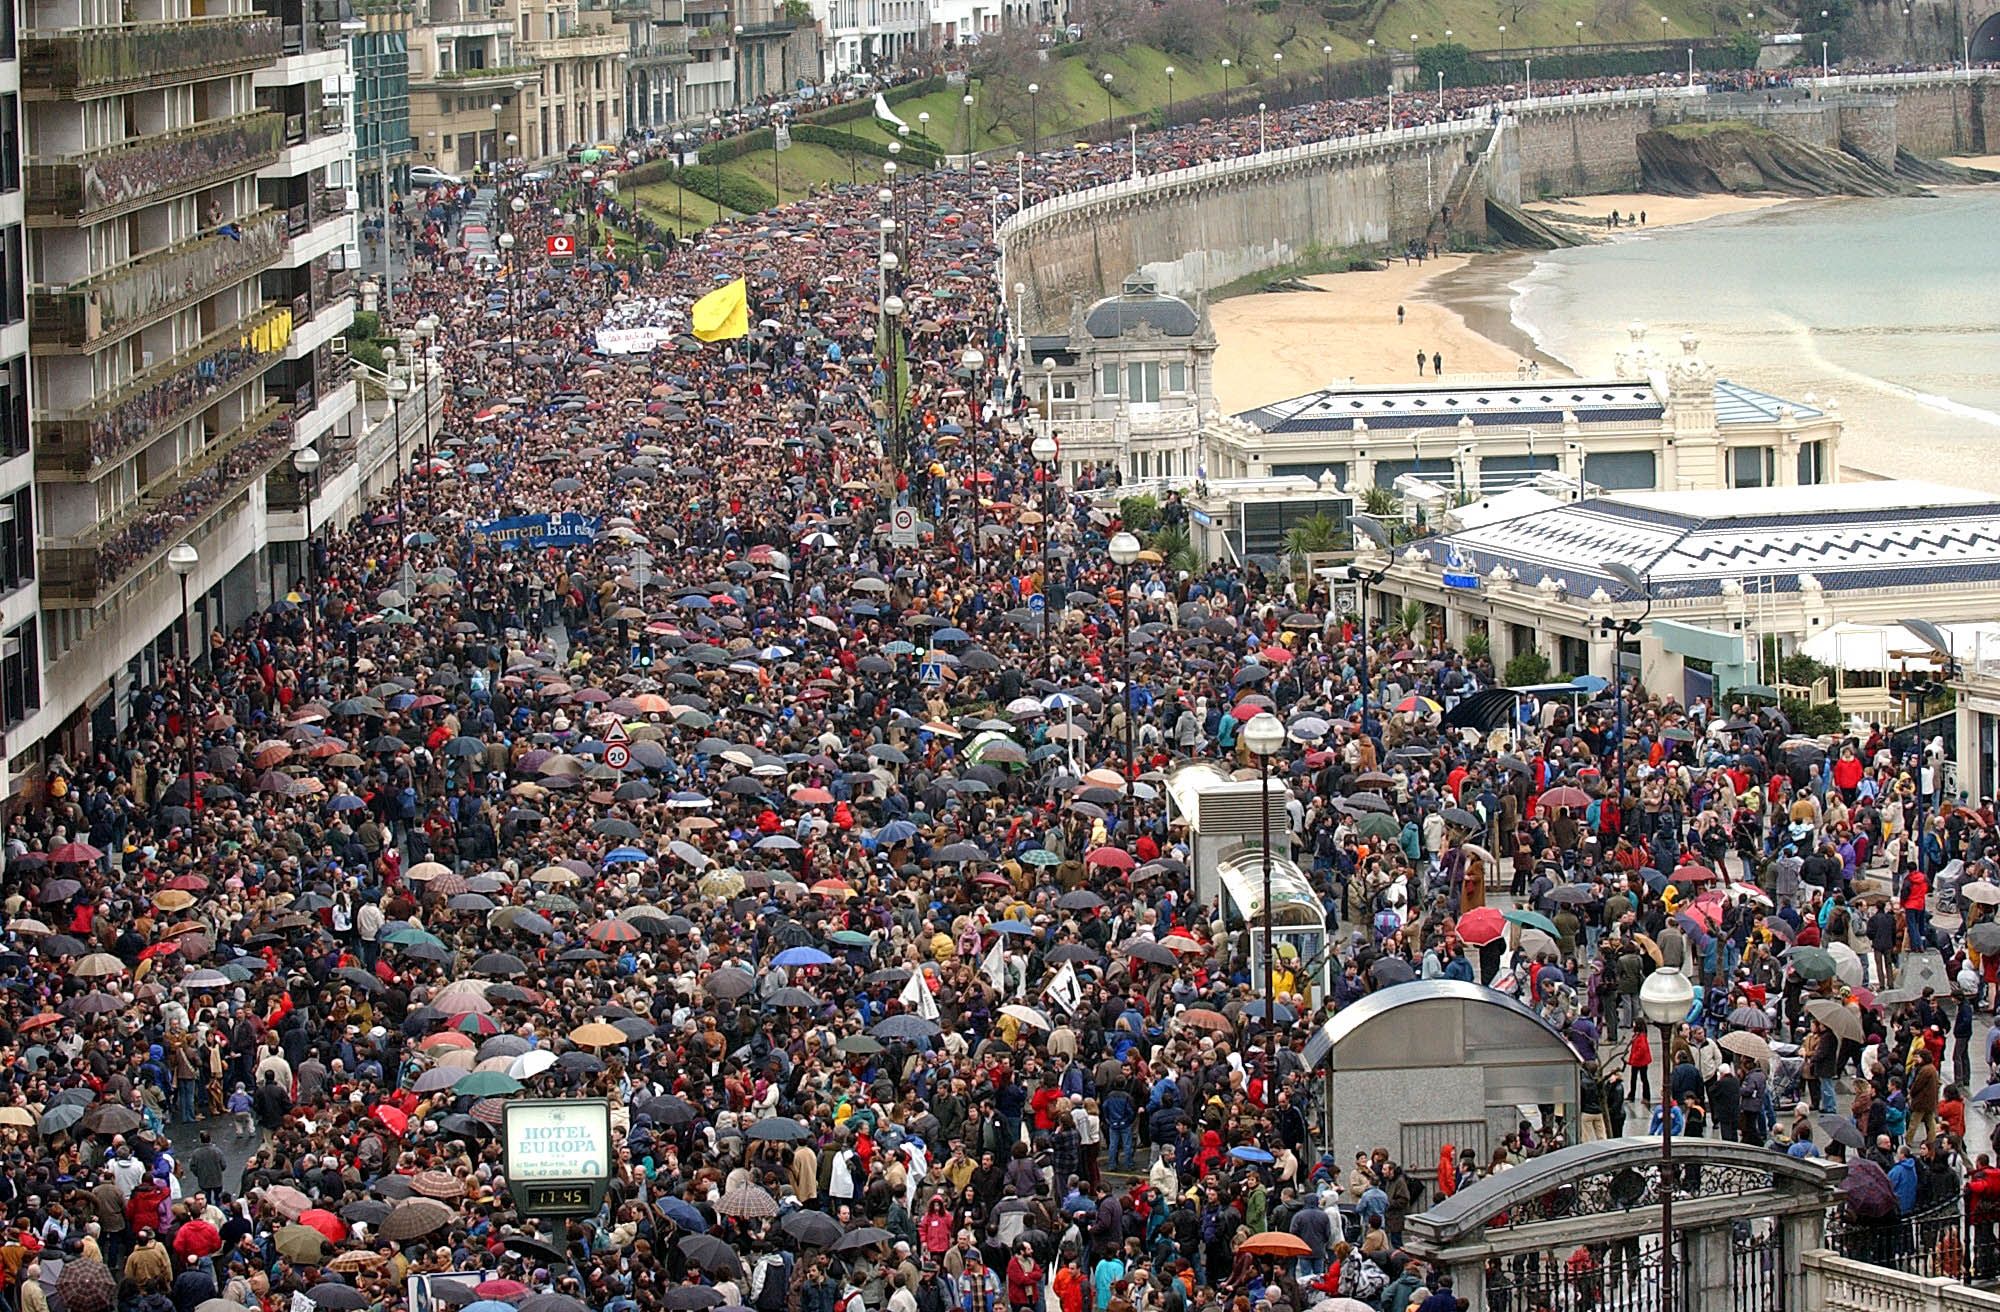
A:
[1849,536]
[1736,404]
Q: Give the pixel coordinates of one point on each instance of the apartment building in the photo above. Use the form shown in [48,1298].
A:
[865,35]
[185,189]
[20,621]
[380,113]
[498,79]
[657,39]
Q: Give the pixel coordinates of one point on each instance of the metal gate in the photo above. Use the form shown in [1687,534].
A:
[1621,1276]
[1756,1270]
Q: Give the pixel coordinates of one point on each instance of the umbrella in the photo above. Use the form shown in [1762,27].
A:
[1839,1129]
[1532,920]
[815,1229]
[689,1298]
[1392,970]
[1843,1020]
[414,1218]
[860,1237]
[1276,1243]
[711,1254]
[341,1298]
[779,1129]
[1815,964]
[748,1201]
[1984,937]
[85,1284]
[301,1244]
[115,1118]
[1482,925]
[326,1223]
[1567,797]
[1747,1043]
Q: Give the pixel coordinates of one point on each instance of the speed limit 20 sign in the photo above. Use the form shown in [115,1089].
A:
[562,246]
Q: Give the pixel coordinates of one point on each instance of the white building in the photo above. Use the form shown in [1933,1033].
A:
[1658,424]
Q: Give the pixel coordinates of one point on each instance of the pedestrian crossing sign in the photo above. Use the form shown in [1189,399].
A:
[930,674]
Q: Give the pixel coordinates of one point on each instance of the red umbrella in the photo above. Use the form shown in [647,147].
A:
[1115,857]
[606,932]
[323,1221]
[1693,873]
[74,854]
[1244,712]
[197,1239]
[1482,925]
[812,797]
[394,1117]
[503,1290]
[1275,655]
[1570,798]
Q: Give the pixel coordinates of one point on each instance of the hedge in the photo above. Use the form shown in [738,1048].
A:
[1462,67]
[735,191]
[915,153]
[721,152]
[863,106]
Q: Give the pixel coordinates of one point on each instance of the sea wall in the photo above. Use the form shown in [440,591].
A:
[1196,230]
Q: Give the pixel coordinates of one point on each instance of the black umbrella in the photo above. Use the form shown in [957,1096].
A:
[1392,970]
[813,1229]
[861,1237]
[333,1295]
[710,1254]
[779,1129]
[691,1298]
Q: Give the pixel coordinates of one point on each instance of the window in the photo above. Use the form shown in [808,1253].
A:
[13,277]
[17,540]
[1750,466]
[1176,377]
[10,143]
[1812,463]
[1621,471]
[1142,381]
[13,408]
[20,673]
[1108,381]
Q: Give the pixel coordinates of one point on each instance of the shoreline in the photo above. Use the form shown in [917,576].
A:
[1276,345]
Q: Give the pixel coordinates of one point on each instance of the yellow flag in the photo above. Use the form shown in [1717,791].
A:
[723,314]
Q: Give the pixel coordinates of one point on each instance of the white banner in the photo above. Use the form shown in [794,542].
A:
[888,115]
[633,341]
[917,997]
[1066,990]
[781,137]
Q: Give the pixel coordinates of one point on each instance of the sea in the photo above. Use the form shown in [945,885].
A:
[1890,308]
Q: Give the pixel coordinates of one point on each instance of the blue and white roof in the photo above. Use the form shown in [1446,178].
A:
[1737,404]
[1544,401]
[1688,544]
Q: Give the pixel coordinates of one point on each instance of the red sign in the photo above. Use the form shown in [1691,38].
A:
[562,246]
[617,756]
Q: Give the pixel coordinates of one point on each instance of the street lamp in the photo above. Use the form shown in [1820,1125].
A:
[305,461]
[1260,127]
[1170,96]
[513,302]
[973,360]
[1045,450]
[183,560]
[1124,551]
[1265,737]
[1035,118]
[715,126]
[497,109]
[1326,53]
[427,329]
[893,307]
[1225,86]
[1665,998]
[680,192]
[1367,526]
[924,124]
[1107,106]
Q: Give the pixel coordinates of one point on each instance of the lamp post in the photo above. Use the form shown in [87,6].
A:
[1124,550]
[973,359]
[497,109]
[1369,527]
[183,560]
[924,125]
[1265,737]
[715,127]
[892,306]
[1225,86]
[1044,450]
[965,104]
[680,191]
[1326,53]
[427,330]
[1107,106]
[1665,998]
[305,462]
[1260,128]
[1170,97]
[1635,582]
[395,389]
[1035,113]
[513,307]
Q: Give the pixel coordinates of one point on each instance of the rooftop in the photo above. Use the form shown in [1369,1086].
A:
[1847,536]
[1543,401]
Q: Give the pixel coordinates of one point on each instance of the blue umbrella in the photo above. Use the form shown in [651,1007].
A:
[896,831]
[346,802]
[951,635]
[1245,1153]
[802,957]
[489,1305]
[683,1214]
[619,854]
[1012,927]
[1989,1094]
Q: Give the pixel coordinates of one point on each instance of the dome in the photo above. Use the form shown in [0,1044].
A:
[1141,304]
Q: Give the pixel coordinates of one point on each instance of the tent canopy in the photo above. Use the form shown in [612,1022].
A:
[1851,645]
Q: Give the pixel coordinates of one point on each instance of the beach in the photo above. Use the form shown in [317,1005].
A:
[1283,344]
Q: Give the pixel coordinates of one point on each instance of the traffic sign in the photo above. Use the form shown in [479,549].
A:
[617,755]
[903,526]
[616,733]
[562,246]
[930,673]
[1037,603]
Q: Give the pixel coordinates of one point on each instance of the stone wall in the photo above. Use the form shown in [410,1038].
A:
[1951,116]
[1870,129]
[1580,151]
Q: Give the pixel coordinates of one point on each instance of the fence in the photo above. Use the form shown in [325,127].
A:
[1933,1242]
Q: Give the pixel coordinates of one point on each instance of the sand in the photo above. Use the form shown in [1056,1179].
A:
[1974,161]
[1285,344]
[1660,211]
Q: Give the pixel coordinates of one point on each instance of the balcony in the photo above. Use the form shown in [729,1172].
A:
[87,570]
[322,204]
[586,43]
[123,299]
[709,38]
[473,79]
[313,38]
[92,61]
[112,180]
[669,45]
[85,443]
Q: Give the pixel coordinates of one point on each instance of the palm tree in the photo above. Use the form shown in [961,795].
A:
[1411,620]
[1314,537]
[1380,501]
[1176,547]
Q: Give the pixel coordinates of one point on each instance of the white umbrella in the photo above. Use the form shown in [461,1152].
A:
[1027,1016]
[531,1063]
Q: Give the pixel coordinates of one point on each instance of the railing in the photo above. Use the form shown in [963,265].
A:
[1842,1284]
[102,434]
[329,119]
[141,54]
[467,77]
[86,569]
[1929,1243]
[122,299]
[116,177]
[574,45]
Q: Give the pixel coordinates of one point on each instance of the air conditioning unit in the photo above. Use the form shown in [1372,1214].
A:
[338,345]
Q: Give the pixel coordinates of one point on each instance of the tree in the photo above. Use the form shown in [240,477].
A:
[1141,513]
[1525,669]
[1176,548]
[1315,537]
[1477,646]
[1381,502]
[1412,620]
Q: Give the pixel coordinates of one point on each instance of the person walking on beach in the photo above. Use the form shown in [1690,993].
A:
[1399,316]
[1437,365]
[1420,362]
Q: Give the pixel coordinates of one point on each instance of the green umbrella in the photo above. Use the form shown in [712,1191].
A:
[1377,825]
[1815,964]
[1534,920]
[859,1045]
[850,938]
[1040,856]
[301,1245]
[486,1084]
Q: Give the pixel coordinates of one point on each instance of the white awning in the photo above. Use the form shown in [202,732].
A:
[1854,646]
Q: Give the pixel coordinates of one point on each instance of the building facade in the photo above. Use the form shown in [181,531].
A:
[174,221]
[492,80]
[381,100]
[655,81]
[1658,424]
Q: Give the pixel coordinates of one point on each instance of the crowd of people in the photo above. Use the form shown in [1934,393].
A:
[844,871]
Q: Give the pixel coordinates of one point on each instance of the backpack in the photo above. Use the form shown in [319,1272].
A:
[1361,1278]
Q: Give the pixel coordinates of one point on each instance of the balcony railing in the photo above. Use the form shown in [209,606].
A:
[119,177]
[107,59]
[469,78]
[122,299]
[101,435]
[577,45]
[84,570]
[667,43]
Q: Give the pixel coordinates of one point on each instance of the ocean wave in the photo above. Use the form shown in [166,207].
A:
[1804,336]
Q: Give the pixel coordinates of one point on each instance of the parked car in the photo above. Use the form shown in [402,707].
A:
[423,175]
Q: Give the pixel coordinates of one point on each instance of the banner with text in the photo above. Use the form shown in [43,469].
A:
[533,532]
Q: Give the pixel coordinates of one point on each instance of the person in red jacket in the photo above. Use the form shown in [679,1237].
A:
[1024,1280]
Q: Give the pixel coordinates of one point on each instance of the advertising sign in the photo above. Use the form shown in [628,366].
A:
[558,1154]
[532,532]
[562,246]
